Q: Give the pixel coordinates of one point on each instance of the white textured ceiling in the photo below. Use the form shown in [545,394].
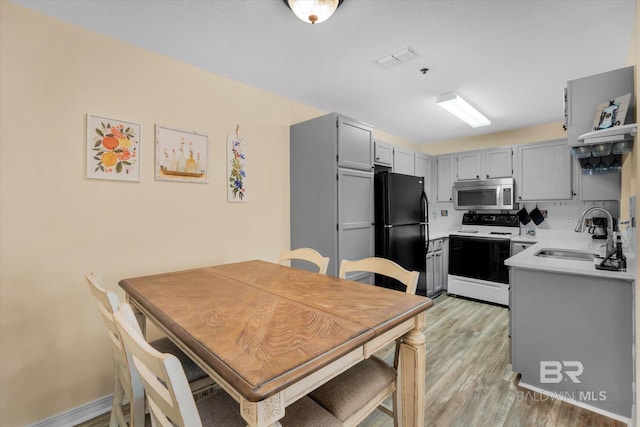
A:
[510,58]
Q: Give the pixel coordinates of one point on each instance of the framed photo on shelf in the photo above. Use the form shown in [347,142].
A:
[612,113]
[113,149]
[181,155]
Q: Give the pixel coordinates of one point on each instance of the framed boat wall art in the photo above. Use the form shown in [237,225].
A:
[181,155]
[113,149]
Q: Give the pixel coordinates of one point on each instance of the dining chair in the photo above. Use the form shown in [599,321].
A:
[354,394]
[171,402]
[127,386]
[306,254]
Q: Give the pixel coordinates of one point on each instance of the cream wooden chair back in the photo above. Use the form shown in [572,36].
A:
[306,254]
[384,267]
[168,394]
[127,385]
[354,394]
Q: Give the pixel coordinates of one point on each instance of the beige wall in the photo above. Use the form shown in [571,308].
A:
[545,132]
[57,225]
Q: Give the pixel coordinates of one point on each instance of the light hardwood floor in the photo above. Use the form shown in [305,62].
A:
[469,381]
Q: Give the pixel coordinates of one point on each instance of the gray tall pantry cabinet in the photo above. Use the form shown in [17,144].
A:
[331,176]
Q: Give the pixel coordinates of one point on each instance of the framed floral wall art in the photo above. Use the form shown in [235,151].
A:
[181,155]
[113,149]
[236,168]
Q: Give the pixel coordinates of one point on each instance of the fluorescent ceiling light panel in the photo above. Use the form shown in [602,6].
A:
[453,103]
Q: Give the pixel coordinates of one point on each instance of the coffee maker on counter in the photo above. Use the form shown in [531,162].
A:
[599,227]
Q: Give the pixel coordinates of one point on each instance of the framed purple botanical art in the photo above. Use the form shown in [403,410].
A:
[236,168]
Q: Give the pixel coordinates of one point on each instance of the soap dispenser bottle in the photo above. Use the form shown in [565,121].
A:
[622,260]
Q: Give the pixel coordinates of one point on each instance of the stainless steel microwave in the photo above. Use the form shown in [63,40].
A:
[488,194]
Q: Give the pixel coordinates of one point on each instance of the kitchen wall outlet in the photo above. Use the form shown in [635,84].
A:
[444,212]
[569,220]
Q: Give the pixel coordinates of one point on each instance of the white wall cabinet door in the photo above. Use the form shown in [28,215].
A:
[355,145]
[383,153]
[445,165]
[544,171]
[403,161]
[485,164]
[498,163]
[595,187]
[469,165]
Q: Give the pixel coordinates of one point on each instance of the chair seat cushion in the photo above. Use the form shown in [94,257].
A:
[306,412]
[344,395]
[219,409]
[191,370]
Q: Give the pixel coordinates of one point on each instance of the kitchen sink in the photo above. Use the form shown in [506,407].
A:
[565,254]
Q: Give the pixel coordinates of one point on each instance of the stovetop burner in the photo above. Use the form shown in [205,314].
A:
[504,220]
[495,226]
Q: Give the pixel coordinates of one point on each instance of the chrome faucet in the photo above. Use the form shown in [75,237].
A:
[583,217]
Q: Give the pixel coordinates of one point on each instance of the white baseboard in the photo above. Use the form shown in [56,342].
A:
[78,415]
[560,396]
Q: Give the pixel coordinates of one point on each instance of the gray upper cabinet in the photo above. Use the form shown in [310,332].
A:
[543,171]
[403,161]
[383,153]
[355,144]
[445,173]
[332,204]
[595,187]
[469,165]
[498,163]
[585,94]
[484,164]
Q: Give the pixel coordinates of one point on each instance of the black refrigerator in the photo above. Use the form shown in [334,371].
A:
[401,225]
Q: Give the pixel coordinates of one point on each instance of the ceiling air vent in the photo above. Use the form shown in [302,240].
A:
[397,58]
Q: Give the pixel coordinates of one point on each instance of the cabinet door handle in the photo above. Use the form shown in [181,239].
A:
[477,176]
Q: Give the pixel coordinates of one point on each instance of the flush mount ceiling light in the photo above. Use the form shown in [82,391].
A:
[313,11]
[453,103]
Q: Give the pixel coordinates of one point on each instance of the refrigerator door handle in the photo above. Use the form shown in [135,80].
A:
[424,208]
[424,197]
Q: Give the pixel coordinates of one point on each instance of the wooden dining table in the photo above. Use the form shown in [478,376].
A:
[269,334]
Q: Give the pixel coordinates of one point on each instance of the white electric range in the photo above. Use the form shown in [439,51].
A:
[477,252]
